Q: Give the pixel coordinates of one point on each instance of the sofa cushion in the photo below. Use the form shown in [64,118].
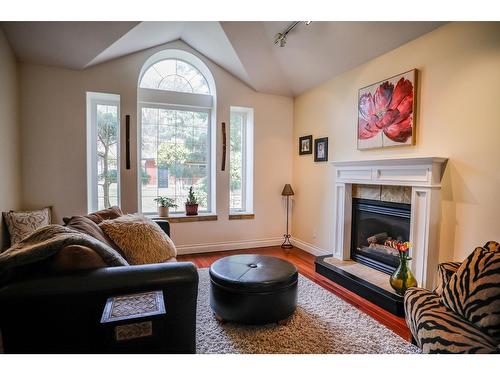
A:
[21,224]
[84,225]
[141,240]
[473,292]
[76,257]
[437,329]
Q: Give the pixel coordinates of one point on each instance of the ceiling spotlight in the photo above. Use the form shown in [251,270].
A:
[280,38]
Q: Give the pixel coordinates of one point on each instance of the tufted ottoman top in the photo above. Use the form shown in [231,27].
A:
[253,273]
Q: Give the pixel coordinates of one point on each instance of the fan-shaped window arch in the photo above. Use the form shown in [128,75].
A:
[174,75]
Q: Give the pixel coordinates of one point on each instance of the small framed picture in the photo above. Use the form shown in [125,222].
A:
[305,145]
[321,149]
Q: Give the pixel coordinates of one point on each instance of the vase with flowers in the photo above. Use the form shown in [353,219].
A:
[402,278]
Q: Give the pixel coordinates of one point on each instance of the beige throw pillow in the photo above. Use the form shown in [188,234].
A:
[140,239]
[22,223]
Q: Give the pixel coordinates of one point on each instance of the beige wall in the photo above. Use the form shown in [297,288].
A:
[458,118]
[10,166]
[54,157]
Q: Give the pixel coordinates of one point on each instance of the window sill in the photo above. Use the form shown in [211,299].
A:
[182,218]
[241,216]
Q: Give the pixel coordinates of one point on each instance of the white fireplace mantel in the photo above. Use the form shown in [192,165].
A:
[402,172]
[424,175]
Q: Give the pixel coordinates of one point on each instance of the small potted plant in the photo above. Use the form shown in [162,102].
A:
[191,203]
[164,204]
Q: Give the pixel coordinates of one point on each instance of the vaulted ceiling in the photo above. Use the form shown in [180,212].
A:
[313,53]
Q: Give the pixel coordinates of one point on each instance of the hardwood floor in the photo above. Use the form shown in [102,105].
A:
[305,264]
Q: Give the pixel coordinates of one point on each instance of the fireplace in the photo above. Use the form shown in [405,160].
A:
[423,176]
[374,224]
[414,217]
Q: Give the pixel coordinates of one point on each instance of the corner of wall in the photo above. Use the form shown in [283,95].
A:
[10,135]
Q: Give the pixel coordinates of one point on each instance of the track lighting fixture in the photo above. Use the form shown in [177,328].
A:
[280,38]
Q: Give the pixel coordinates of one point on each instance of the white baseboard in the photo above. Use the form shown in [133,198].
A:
[311,249]
[228,245]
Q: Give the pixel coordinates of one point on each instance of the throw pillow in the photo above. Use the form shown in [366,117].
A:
[76,257]
[21,224]
[106,214]
[492,246]
[84,225]
[474,290]
[445,271]
[141,240]
[98,216]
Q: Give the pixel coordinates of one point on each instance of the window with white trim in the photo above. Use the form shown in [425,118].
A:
[241,160]
[103,150]
[176,151]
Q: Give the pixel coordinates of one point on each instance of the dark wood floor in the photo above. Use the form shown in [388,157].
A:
[305,264]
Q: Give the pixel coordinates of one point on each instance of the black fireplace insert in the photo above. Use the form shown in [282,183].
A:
[374,224]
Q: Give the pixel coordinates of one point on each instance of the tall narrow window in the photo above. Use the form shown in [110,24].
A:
[241,160]
[176,100]
[103,139]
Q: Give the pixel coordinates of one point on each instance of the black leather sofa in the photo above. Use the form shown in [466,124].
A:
[62,313]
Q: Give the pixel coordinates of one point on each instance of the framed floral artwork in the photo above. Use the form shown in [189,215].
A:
[386,112]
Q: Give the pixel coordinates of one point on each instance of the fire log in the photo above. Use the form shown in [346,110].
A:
[378,238]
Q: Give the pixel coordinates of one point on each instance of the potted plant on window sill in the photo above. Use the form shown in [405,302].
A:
[191,203]
[164,204]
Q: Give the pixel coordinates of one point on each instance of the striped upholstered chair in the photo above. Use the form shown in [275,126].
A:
[462,315]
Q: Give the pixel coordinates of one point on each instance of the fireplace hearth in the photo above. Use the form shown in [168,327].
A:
[374,224]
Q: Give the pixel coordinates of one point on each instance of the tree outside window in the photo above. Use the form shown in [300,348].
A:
[107,155]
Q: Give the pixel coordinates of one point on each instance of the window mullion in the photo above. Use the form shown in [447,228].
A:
[157,146]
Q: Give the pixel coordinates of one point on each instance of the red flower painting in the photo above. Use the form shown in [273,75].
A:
[386,112]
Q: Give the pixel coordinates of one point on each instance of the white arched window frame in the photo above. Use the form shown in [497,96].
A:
[181,101]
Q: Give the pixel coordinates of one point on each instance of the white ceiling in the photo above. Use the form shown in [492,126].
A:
[322,50]
[313,54]
[66,44]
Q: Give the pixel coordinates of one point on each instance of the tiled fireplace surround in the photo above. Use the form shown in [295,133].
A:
[408,180]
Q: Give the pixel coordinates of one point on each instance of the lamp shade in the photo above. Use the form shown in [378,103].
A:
[287,190]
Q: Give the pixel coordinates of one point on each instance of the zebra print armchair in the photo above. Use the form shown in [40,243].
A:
[462,314]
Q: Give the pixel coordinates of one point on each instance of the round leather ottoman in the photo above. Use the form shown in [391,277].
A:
[253,289]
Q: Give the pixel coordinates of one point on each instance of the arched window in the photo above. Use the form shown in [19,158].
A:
[176,97]
[174,75]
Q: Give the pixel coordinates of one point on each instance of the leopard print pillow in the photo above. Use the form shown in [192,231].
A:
[22,223]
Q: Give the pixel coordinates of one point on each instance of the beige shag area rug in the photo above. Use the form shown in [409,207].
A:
[322,323]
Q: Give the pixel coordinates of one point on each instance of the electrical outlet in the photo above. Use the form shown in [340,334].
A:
[314,233]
